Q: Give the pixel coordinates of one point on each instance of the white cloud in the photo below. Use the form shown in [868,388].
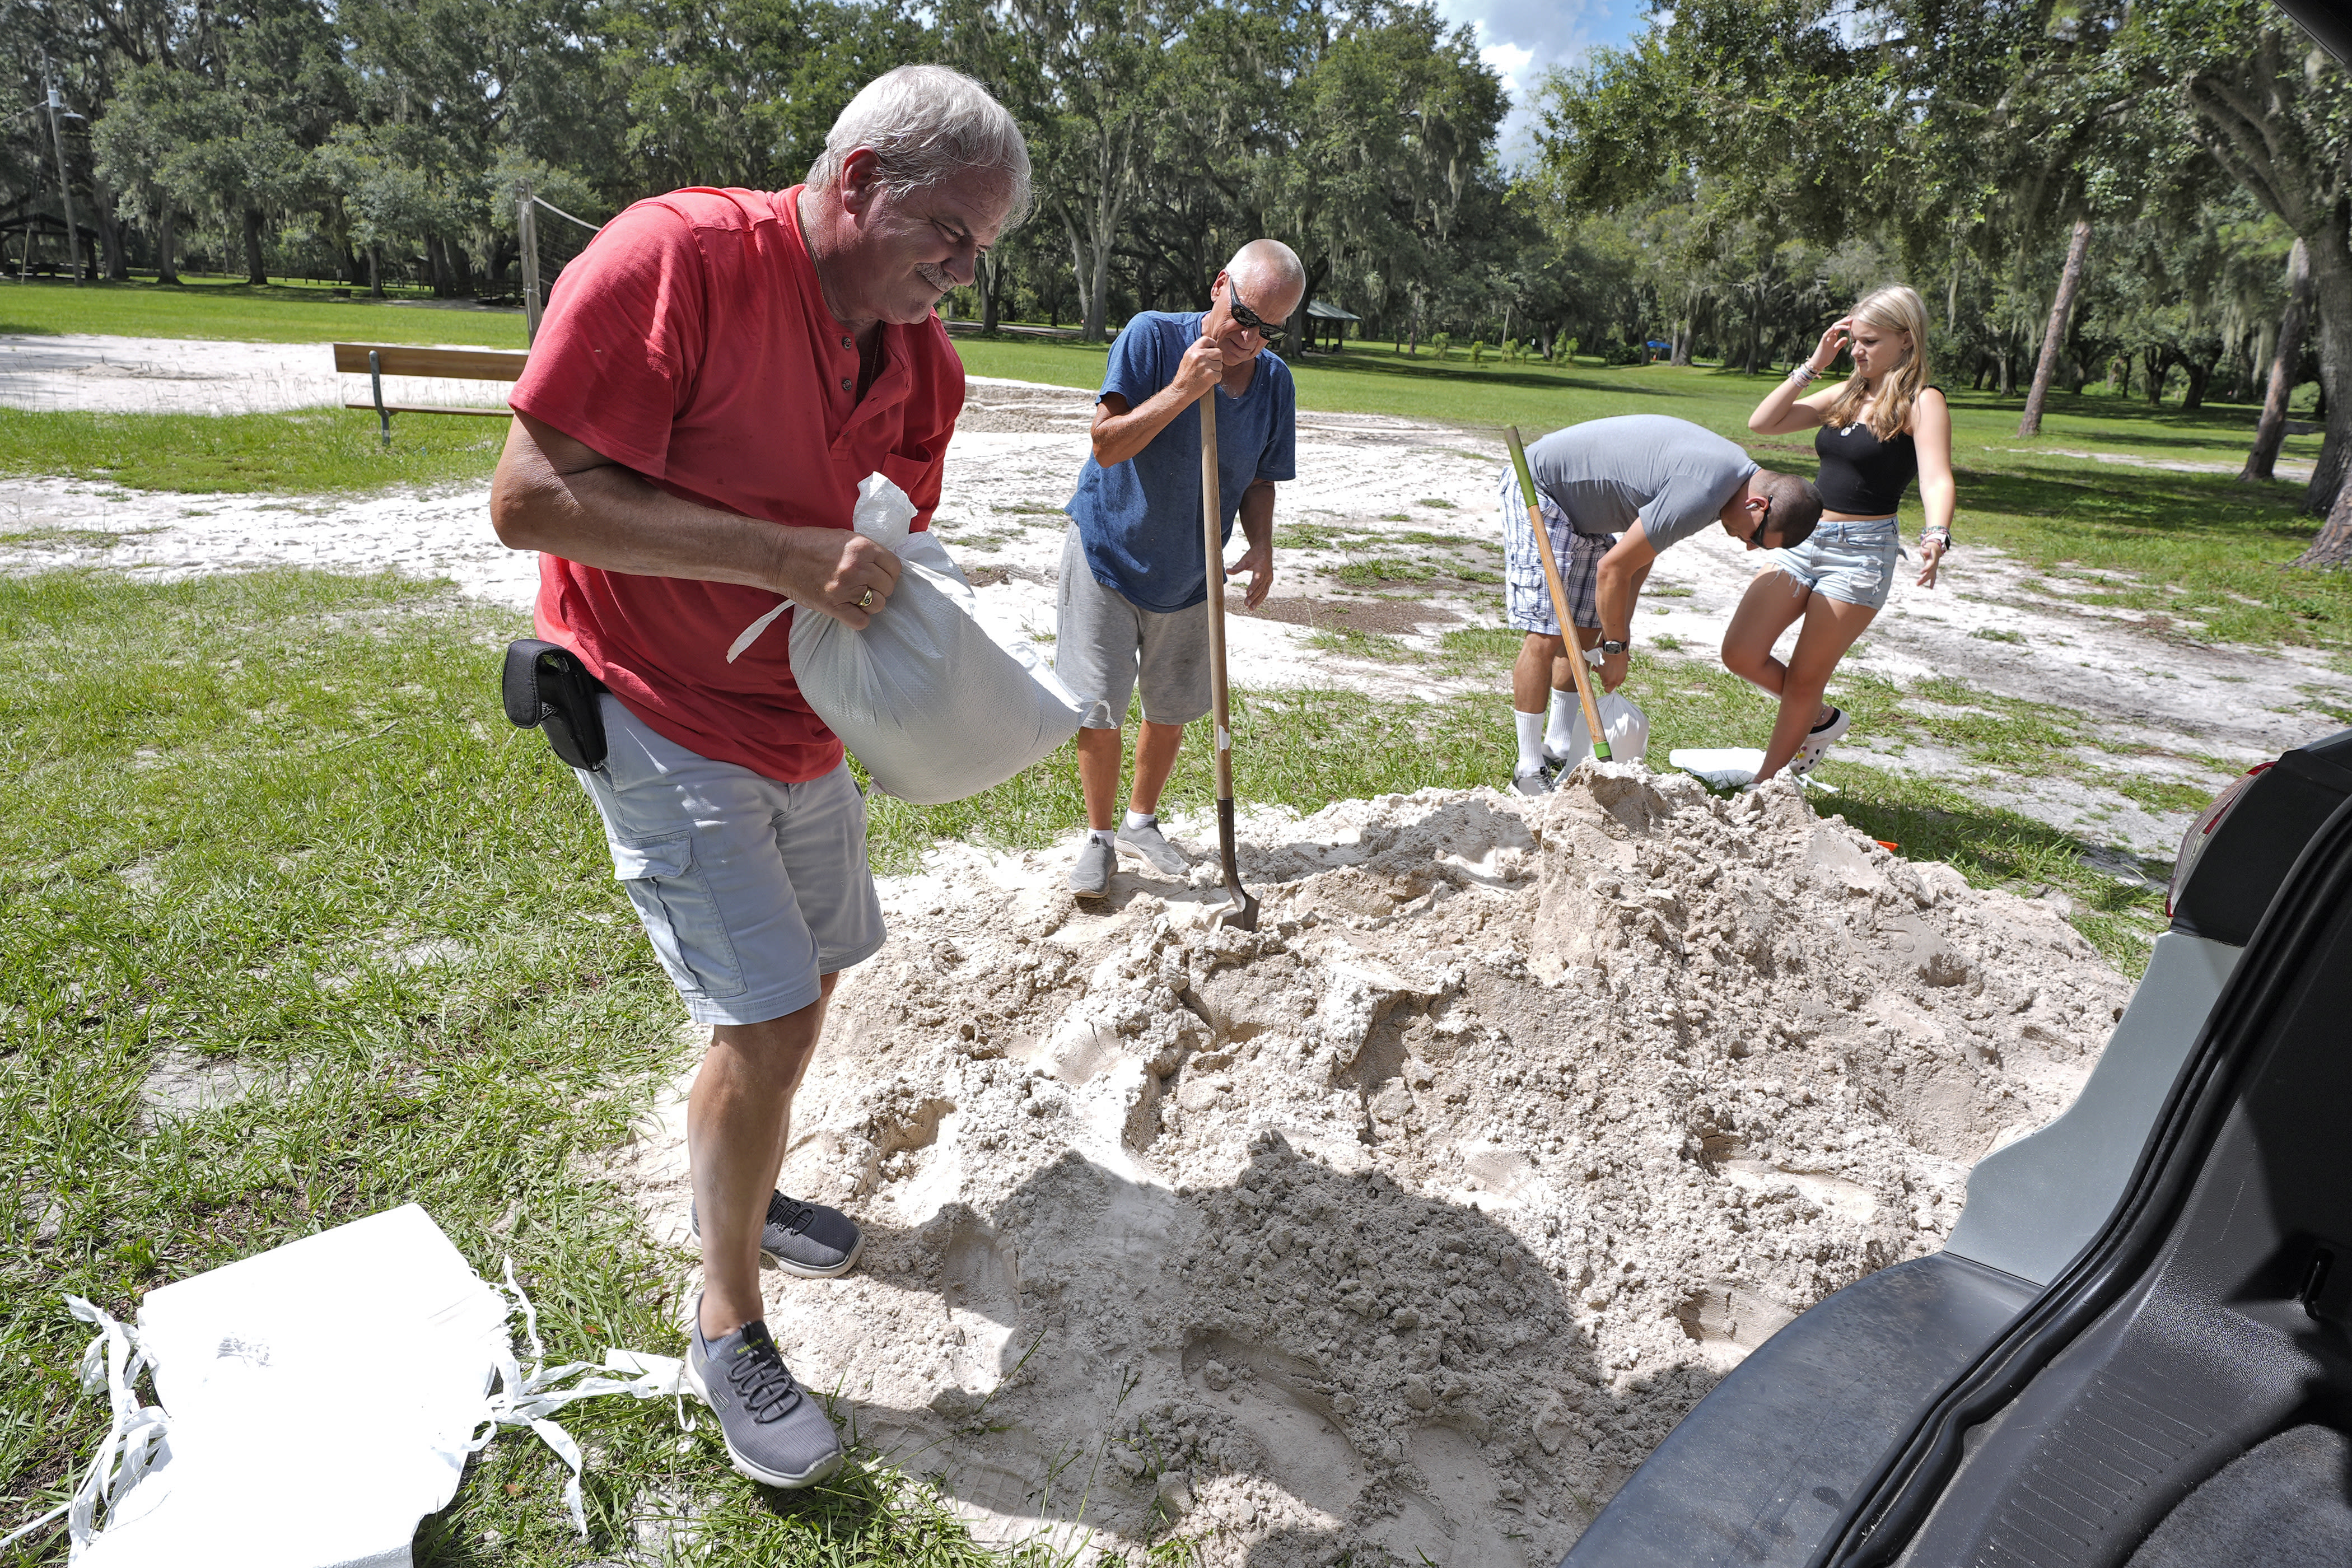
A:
[1522,39]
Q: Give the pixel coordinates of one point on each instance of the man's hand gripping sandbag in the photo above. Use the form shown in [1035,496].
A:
[931,705]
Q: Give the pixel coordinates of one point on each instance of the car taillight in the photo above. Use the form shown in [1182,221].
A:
[2201,834]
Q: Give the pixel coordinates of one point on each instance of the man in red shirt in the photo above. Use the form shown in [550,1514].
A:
[715,375]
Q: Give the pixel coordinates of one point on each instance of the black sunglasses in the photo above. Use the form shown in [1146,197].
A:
[1756,538]
[1249,321]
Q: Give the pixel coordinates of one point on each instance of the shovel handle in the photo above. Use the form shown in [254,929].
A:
[1213,542]
[1558,595]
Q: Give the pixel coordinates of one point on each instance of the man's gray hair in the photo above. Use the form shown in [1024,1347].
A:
[926,125]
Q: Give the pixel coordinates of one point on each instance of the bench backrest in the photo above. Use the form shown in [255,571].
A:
[454,364]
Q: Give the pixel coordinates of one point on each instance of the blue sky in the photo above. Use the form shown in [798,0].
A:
[1524,39]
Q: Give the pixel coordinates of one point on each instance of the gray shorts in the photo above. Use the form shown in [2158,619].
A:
[1103,645]
[751,890]
[1527,595]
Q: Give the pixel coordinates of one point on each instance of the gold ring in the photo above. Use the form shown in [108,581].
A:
[866,600]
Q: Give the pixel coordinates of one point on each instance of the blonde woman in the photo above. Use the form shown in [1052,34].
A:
[1879,430]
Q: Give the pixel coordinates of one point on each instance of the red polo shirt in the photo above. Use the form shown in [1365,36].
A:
[690,342]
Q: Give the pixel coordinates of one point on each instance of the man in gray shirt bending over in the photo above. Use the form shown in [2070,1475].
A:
[1613,493]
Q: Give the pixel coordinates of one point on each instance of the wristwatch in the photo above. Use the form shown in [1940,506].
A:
[1612,648]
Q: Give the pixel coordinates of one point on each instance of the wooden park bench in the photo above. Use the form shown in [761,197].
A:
[376,361]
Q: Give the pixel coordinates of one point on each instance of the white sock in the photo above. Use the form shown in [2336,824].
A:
[1565,707]
[1099,836]
[1136,819]
[1531,729]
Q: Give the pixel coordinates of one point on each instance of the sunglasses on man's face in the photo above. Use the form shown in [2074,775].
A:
[1756,539]
[1249,321]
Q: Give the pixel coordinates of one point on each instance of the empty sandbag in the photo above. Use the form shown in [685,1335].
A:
[929,704]
[1622,722]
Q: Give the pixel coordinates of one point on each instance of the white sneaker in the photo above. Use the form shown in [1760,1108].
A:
[1816,745]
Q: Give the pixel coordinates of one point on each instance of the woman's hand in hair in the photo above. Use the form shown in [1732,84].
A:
[1835,341]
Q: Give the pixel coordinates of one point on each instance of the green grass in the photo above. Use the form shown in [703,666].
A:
[277,313]
[310,451]
[1375,571]
[273,824]
[1352,644]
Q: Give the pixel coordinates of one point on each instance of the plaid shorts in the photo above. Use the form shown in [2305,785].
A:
[1526,598]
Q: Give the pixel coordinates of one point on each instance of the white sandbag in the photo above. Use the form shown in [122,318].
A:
[1622,720]
[929,703]
[1731,767]
[315,1402]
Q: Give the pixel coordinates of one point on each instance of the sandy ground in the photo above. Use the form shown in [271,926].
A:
[175,375]
[2136,680]
[1399,1230]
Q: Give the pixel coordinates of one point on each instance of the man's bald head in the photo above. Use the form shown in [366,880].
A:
[1268,274]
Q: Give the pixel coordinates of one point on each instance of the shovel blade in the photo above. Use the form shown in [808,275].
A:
[1239,915]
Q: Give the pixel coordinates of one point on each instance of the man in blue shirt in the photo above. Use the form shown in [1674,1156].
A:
[1134,583]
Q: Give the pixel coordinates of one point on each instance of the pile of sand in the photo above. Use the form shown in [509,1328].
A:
[1411,1222]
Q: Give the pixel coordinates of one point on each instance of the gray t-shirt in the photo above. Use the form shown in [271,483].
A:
[1668,474]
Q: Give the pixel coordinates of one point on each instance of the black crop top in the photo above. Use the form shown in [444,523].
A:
[1861,475]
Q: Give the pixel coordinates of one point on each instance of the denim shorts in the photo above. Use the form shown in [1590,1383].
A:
[1852,562]
[1103,645]
[750,889]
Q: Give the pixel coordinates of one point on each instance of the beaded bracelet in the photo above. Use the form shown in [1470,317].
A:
[1804,375]
[1935,533]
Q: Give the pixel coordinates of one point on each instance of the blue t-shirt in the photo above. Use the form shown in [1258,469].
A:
[1140,522]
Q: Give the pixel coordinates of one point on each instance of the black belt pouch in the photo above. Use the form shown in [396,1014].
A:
[547,688]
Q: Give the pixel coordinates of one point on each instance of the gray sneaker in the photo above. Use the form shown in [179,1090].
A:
[807,1240]
[1816,745]
[1536,783]
[775,1432]
[1090,878]
[1152,845]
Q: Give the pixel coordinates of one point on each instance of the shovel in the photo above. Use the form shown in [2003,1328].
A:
[1242,913]
[1558,595]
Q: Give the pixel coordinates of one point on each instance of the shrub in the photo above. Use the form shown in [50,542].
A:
[1443,343]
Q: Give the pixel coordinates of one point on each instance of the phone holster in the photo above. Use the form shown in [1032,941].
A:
[547,688]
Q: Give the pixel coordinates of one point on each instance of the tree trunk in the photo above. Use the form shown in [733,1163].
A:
[117,265]
[1296,331]
[989,273]
[2070,278]
[2199,375]
[2159,365]
[253,272]
[2006,366]
[2331,277]
[2331,551]
[166,235]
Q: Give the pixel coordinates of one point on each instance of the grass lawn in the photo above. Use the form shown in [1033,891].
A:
[310,451]
[276,313]
[294,927]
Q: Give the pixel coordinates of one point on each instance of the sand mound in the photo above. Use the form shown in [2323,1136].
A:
[1411,1222]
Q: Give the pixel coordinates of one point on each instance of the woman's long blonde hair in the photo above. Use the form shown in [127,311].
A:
[1894,309]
